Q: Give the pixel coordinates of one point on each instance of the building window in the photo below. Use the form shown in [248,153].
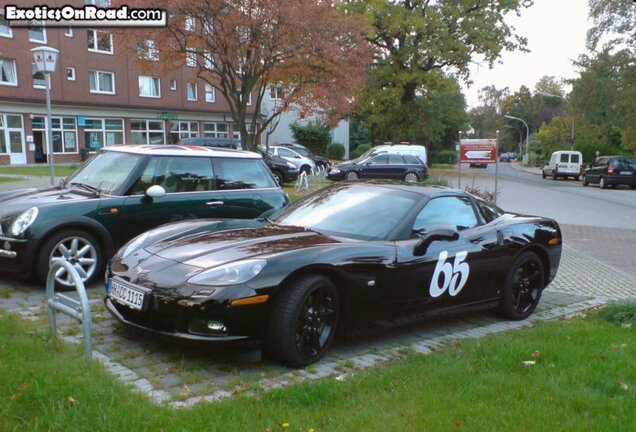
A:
[100,41]
[98,3]
[102,82]
[147,132]
[10,134]
[149,86]
[183,129]
[191,89]
[208,60]
[5,29]
[148,50]
[210,95]
[190,23]
[8,74]
[173,84]
[64,131]
[276,92]
[215,130]
[236,131]
[70,73]
[191,57]
[68,32]
[100,133]
[37,33]
[39,79]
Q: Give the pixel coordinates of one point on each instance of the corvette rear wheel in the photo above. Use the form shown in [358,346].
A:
[523,287]
[303,321]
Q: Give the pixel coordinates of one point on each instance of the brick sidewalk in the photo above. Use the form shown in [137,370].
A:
[184,375]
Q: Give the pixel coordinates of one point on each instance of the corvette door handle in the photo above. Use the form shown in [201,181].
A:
[214,203]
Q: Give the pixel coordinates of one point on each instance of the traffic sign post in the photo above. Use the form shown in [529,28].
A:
[479,151]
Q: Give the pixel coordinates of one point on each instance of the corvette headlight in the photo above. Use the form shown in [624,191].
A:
[229,274]
[134,244]
[24,221]
[291,165]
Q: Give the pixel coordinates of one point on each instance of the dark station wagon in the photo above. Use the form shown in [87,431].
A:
[611,171]
[122,192]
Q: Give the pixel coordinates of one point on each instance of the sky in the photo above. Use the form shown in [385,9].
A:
[555,30]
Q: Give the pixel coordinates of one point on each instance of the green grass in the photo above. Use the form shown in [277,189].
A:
[40,171]
[10,179]
[584,379]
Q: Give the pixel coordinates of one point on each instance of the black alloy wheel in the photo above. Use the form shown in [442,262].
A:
[303,322]
[523,287]
[278,177]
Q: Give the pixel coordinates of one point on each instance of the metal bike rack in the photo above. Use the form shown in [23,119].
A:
[78,310]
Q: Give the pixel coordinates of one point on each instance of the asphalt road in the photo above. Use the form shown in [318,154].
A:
[598,222]
[566,201]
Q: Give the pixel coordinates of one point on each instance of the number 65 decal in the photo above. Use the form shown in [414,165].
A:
[453,277]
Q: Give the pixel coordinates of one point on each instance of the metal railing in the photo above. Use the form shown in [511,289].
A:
[78,310]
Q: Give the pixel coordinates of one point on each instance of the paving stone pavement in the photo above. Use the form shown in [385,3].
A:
[182,375]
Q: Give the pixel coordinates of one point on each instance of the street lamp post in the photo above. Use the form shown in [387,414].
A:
[571,140]
[45,59]
[525,156]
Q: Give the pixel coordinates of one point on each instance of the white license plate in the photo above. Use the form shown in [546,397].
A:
[626,173]
[126,295]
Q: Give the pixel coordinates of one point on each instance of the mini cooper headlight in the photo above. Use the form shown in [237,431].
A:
[24,221]
[229,274]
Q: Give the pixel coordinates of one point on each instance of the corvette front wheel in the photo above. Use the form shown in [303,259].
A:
[303,321]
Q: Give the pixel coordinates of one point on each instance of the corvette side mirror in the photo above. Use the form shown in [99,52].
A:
[155,191]
[439,234]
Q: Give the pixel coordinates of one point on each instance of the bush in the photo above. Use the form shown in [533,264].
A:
[335,151]
[360,150]
[314,136]
[446,156]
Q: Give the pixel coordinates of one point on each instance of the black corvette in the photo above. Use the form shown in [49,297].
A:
[347,252]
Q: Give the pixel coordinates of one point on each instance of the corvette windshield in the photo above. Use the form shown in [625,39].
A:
[355,211]
[106,172]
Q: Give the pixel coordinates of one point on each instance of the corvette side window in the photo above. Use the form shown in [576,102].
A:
[454,213]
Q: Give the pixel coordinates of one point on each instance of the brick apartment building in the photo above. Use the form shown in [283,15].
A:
[99,96]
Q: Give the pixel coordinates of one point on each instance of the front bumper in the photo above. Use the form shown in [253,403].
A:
[290,175]
[340,175]
[17,255]
[116,311]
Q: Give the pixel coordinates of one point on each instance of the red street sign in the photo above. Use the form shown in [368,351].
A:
[478,151]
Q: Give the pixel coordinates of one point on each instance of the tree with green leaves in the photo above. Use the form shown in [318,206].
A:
[421,47]
[615,19]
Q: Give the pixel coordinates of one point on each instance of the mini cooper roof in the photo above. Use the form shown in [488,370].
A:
[182,150]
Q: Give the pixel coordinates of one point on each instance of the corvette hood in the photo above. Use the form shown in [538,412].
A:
[206,250]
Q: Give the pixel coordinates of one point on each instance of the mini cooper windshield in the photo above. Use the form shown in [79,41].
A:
[106,172]
[351,211]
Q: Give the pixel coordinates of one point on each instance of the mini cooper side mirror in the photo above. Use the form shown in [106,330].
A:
[155,191]
[439,234]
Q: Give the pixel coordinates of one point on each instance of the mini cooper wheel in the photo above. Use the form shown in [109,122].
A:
[351,175]
[75,246]
[411,178]
[303,321]
[523,287]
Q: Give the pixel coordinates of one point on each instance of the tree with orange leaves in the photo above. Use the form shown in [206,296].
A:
[313,52]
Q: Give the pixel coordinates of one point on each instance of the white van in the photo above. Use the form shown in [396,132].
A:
[415,150]
[564,163]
